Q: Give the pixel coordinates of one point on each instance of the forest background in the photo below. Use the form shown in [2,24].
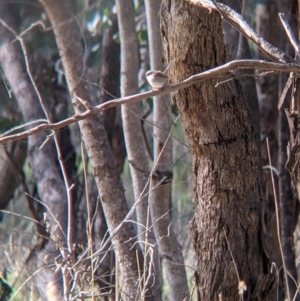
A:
[189,192]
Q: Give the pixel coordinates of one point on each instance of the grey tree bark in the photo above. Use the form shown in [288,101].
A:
[131,113]
[134,140]
[228,227]
[160,196]
[67,34]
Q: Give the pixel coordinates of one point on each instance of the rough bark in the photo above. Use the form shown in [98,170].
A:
[241,50]
[111,192]
[47,177]
[160,197]
[227,190]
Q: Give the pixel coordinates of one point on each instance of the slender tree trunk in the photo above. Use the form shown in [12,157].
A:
[111,192]
[137,156]
[160,196]
[131,113]
[228,227]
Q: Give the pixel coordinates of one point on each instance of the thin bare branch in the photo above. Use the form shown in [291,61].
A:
[289,32]
[215,72]
[240,24]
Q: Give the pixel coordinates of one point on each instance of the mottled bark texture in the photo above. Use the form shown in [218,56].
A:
[241,50]
[227,186]
[68,38]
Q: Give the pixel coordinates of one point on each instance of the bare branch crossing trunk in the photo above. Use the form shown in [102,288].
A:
[131,113]
[227,190]
[134,140]
[162,175]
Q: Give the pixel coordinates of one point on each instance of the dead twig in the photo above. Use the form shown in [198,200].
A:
[215,72]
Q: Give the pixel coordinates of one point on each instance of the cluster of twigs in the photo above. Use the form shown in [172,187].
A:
[70,267]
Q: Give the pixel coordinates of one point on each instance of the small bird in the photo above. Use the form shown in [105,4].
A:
[156,79]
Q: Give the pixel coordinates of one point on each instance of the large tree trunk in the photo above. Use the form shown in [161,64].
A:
[228,228]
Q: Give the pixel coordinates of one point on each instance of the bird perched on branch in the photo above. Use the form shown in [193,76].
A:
[157,79]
